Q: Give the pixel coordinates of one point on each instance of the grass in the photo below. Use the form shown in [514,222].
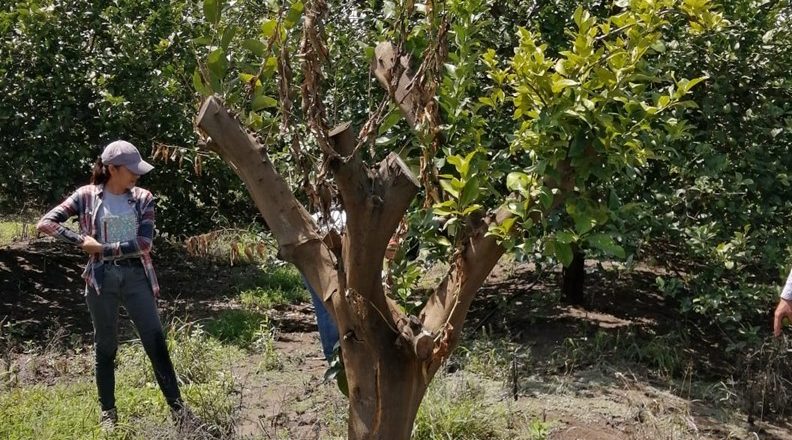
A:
[242,328]
[275,286]
[250,330]
[489,357]
[454,410]
[69,409]
[467,406]
[662,354]
[11,231]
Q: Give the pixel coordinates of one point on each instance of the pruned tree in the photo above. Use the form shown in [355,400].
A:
[580,124]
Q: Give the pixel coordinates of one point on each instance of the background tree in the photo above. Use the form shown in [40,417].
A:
[76,75]
[719,201]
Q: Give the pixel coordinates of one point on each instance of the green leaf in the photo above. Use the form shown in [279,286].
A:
[578,15]
[384,141]
[228,35]
[685,85]
[546,197]
[560,84]
[487,101]
[217,63]
[263,101]
[563,252]
[470,192]
[293,16]
[584,222]
[255,46]
[507,224]
[565,237]
[445,208]
[606,243]
[212,11]
[202,41]
[462,164]
[449,188]
[518,181]
[692,83]
[268,28]
[199,85]
[659,46]
[392,119]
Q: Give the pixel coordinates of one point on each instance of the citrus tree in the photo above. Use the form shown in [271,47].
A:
[530,151]
[722,197]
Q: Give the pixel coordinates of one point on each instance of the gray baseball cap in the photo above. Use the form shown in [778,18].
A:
[124,153]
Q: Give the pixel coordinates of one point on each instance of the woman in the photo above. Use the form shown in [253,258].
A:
[116,221]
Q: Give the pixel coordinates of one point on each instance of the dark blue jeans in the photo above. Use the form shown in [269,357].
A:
[328,332]
[128,285]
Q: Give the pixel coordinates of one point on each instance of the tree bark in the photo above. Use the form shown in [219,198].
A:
[394,76]
[383,371]
[573,279]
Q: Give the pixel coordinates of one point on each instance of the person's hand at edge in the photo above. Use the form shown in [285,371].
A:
[783,310]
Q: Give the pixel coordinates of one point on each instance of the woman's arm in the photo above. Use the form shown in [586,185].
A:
[52,222]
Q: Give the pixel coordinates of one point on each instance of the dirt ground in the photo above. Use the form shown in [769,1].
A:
[40,301]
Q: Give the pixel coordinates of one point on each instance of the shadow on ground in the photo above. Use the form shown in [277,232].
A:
[41,293]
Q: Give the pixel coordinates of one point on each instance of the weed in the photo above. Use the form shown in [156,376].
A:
[246,329]
[11,231]
[488,357]
[233,246]
[266,299]
[453,409]
[765,384]
[272,287]
[537,430]
[662,354]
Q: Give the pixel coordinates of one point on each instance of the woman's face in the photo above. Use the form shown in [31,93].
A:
[121,176]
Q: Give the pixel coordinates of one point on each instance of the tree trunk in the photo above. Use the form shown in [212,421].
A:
[573,279]
[386,386]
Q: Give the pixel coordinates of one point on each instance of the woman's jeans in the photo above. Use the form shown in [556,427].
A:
[128,285]
[328,332]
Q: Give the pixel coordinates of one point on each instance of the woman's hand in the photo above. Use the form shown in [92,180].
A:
[784,310]
[90,245]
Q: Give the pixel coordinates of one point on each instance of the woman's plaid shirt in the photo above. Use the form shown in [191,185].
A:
[84,203]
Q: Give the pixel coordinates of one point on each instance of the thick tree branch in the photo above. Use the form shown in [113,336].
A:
[291,225]
[446,310]
[375,201]
[289,221]
[402,91]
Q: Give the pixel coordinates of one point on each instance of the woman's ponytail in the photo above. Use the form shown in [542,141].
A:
[99,175]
